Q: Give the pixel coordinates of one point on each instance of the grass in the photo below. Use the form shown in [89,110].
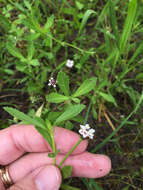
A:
[104,38]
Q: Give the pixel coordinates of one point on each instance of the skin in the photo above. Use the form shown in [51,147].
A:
[33,169]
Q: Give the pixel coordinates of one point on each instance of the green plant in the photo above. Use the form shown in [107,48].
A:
[103,39]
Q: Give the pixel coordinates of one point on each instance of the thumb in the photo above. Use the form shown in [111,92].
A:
[42,178]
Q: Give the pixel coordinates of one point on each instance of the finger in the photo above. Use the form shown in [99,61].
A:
[1,185]
[48,177]
[83,165]
[18,139]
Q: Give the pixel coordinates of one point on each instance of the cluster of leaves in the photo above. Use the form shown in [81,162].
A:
[36,41]
[70,109]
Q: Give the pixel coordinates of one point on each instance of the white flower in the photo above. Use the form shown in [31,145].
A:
[91,133]
[85,127]
[52,82]
[86,131]
[69,63]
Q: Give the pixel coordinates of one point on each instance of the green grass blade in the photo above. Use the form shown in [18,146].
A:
[132,8]
[138,51]
[102,15]
[120,126]
[91,184]
[85,19]
[107,42]
[113,20]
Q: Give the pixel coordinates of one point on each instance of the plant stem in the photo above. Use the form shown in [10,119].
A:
[79,141]
[54,161]
[73,148]
[87,113]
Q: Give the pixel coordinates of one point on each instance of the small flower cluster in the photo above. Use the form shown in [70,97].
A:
[52,82]
[86,131]
[69,63]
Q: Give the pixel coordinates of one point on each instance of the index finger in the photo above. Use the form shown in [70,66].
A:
[18,139]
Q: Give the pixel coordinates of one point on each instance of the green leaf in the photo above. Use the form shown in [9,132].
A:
[139,77]
[63,82]
[132,8]
[50,129]
[9,71]
[102,15]
[45,134]
[126,188]
[108,97]
[34,62]
[56,98]
[85,18]
[91,184]
[19,6]
[21,67]
[43,77]
[52,116]
[76,100]
[69,125]
[85,87]
[95,185]
[49,23]
[71,112]
[66,171]
[5,23]
[31,37]
[14,51]
[79,5]
[23,117]
[138,51]
[27,4]
[30,49]
[48,41]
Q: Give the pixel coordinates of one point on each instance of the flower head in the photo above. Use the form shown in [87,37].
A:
[91,133]
[86,131]
[85,127]
[69,63]
[52,82]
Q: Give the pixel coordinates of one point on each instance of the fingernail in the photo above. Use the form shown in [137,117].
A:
[49,178]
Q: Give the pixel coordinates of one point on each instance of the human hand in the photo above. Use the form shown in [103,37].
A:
[35,170]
